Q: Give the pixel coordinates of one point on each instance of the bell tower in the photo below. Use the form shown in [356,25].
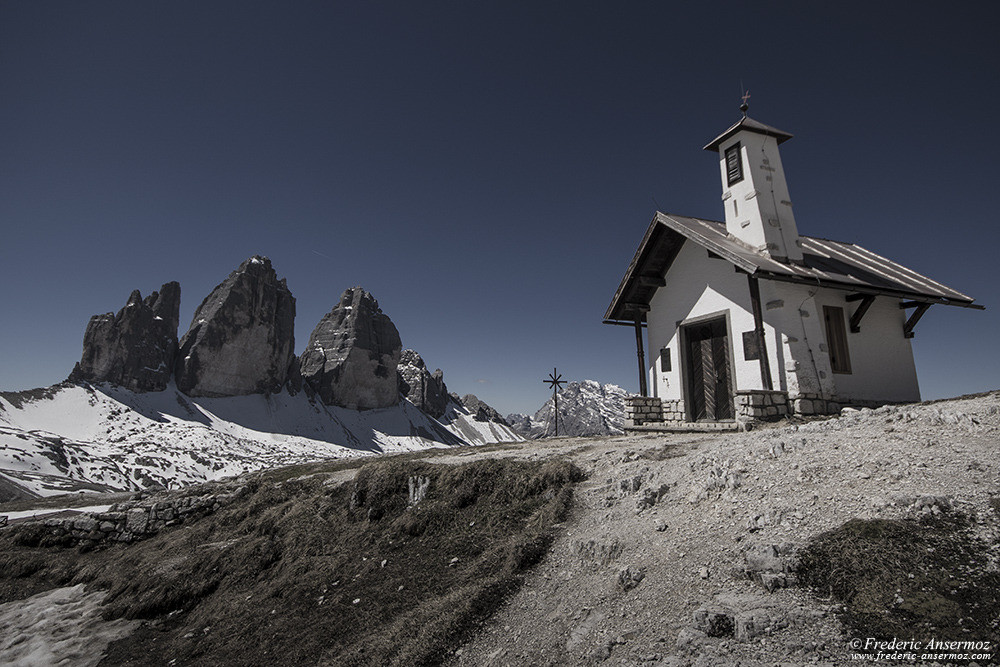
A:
[754,191]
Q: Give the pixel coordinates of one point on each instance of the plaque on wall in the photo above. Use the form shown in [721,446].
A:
[751,351]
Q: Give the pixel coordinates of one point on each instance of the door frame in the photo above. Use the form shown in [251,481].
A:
[683,327]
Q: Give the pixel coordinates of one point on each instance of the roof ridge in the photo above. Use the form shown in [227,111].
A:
[823,238]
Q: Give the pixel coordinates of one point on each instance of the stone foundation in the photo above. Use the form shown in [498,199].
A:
[673,411]
[751,405]
[813,404]
[760,404]
[642,410]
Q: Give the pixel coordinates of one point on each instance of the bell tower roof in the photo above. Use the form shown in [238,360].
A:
[749,125]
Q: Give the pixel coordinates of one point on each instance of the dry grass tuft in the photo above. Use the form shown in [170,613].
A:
[298,572]
[908,579]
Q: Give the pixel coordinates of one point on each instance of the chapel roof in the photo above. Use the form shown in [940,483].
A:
[750,125]
[832,264]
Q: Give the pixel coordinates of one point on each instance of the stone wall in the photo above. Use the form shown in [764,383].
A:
[673,411]
[127,521]
[641,410]
[649,410]
[813,404]
[751,405]
[759,404]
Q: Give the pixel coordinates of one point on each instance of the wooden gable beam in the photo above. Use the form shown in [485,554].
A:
[637,307]
[860,311]
[652,281]
[913,319]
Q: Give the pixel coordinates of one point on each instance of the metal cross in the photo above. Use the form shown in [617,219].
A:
[745,105]
[746,96]
[555,381]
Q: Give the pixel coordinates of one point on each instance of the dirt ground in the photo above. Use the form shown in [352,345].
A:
[680,513]
[672,534]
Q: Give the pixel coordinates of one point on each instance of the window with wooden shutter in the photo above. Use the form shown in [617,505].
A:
[734,164]
[836,339]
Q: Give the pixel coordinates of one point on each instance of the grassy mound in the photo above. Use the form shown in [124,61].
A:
[297,572]
[908,579]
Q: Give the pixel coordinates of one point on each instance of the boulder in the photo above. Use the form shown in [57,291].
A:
[134,349]
[242,337]
[425,390]
[352,356]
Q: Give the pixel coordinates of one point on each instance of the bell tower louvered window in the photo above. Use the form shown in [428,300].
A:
[734,164]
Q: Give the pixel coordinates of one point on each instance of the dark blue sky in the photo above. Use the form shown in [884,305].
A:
[486,170]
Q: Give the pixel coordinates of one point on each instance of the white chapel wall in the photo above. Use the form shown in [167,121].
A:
[792,311]
[882,366]
[698,286]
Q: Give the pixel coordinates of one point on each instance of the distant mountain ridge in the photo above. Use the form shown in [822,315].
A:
[143,408]
[98,437]
[585,408]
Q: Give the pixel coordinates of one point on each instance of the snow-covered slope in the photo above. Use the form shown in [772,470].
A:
[459,420]
[100,437]
[585,408]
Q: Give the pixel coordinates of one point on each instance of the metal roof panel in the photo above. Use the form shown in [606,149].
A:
[831,263]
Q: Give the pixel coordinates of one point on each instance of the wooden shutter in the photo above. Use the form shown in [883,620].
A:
[734,164]
[836,339]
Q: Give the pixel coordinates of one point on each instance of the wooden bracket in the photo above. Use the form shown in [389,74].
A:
[913,319]
[859,313]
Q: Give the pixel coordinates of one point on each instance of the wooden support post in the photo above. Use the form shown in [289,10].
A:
[643,391]
[758,327]
[863,307]
[914,318]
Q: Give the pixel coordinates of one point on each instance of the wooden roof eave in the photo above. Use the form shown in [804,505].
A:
[615,312]
[868,289]
[741,262]
[630,271]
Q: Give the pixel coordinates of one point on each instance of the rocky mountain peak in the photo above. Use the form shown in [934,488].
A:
[586,407]
[425,390]
[480,410]
[134,348]
[352,355]
[241,340]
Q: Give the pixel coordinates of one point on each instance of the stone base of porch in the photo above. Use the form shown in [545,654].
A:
[647,413]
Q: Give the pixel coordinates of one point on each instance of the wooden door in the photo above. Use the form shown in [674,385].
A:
[710,391]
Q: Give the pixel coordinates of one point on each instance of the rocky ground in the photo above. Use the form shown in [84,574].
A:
[669,530]
[678,549]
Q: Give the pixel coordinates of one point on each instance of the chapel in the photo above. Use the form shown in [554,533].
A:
[746,319]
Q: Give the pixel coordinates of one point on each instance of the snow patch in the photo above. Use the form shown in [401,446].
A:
[58,627]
